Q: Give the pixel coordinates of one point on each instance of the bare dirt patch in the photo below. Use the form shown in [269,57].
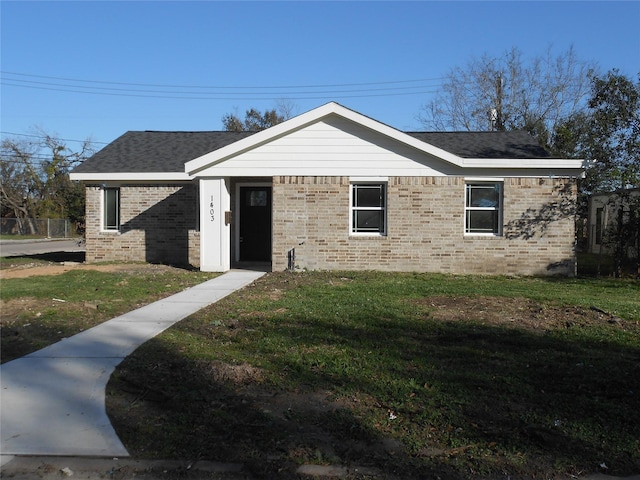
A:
[27,270]
[516,313]
[30,321]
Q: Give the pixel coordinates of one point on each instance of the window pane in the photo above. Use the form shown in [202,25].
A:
[483,195]
[368,221]
[257,198]
[368,208]
[111,208]
[368,196]
[482,221]
[599,212]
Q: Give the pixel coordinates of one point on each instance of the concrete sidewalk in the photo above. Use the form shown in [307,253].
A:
[53,400]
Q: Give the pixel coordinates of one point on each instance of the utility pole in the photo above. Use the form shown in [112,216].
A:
[499,120]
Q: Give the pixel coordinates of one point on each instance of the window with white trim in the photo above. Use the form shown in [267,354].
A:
[111,208]
[369,208]
[483,208]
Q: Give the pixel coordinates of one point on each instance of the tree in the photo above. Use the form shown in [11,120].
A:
[607,135]
[613,140]
[255,121]
[609,138]
[35,180]
[505,93]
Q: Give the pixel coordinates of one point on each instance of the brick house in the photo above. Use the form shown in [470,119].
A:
[333,189]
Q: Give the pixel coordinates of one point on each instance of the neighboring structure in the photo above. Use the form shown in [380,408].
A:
[604,216]
[333,189]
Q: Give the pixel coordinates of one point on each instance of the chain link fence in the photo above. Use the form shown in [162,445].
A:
[40,227]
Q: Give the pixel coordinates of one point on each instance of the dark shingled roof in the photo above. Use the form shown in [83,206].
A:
[156,151]
[515,144]
[168,151]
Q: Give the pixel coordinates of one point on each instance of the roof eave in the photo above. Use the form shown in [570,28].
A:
[554,163]
[133,176]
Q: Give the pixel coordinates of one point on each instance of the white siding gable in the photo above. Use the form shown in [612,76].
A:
[331,146]
[332,140]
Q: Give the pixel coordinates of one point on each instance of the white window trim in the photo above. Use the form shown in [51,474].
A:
[499,208]
[103,220]
[368,181]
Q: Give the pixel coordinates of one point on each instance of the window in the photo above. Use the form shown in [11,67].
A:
[599,225]
[111,209]
[368,208]
[483,203]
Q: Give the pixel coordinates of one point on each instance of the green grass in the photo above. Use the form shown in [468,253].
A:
[40,310]
[404,389]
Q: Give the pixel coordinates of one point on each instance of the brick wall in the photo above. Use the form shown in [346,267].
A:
[158,225]
[425,217]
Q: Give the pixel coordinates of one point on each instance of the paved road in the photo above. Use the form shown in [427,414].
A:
[13,248]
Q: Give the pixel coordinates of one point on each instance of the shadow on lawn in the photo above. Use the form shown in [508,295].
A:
[57,257]
[469,400]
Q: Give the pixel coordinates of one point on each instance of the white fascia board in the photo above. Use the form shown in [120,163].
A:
[347,171]
[556,163]
[315,115]
[137,177]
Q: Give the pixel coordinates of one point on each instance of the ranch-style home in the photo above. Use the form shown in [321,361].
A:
[333,189]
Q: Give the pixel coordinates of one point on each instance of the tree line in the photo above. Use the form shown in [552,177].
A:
[34,180]
[566,103]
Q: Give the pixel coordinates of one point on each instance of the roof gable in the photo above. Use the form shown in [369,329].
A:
[153,155]
[311,117]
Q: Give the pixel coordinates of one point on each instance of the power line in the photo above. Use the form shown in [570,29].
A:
[313,92]
[200,92]
[52,137]
[255,87]
[179,95]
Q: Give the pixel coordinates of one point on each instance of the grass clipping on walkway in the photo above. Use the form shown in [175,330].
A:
[411,375]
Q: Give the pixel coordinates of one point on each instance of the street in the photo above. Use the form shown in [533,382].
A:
[13,248]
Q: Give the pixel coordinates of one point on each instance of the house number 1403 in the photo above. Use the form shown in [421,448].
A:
[212,211]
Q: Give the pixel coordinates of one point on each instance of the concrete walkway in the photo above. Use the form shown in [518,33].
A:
[53,400]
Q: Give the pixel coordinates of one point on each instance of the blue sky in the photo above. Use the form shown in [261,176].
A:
[146,64]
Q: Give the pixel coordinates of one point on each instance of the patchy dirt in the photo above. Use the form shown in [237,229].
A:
[277,430]
[26,270]
[28,323]
[516,312]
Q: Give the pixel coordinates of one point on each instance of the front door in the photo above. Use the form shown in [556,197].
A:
[254,242]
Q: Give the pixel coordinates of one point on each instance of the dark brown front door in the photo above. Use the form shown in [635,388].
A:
[255,224]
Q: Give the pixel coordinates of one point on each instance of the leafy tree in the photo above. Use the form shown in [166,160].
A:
[613,145]
[507,93]
[613,140]
[255,121]
[35,180]
[607,135]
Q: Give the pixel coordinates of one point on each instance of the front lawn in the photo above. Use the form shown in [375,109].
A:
[410,375]
[42,302]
